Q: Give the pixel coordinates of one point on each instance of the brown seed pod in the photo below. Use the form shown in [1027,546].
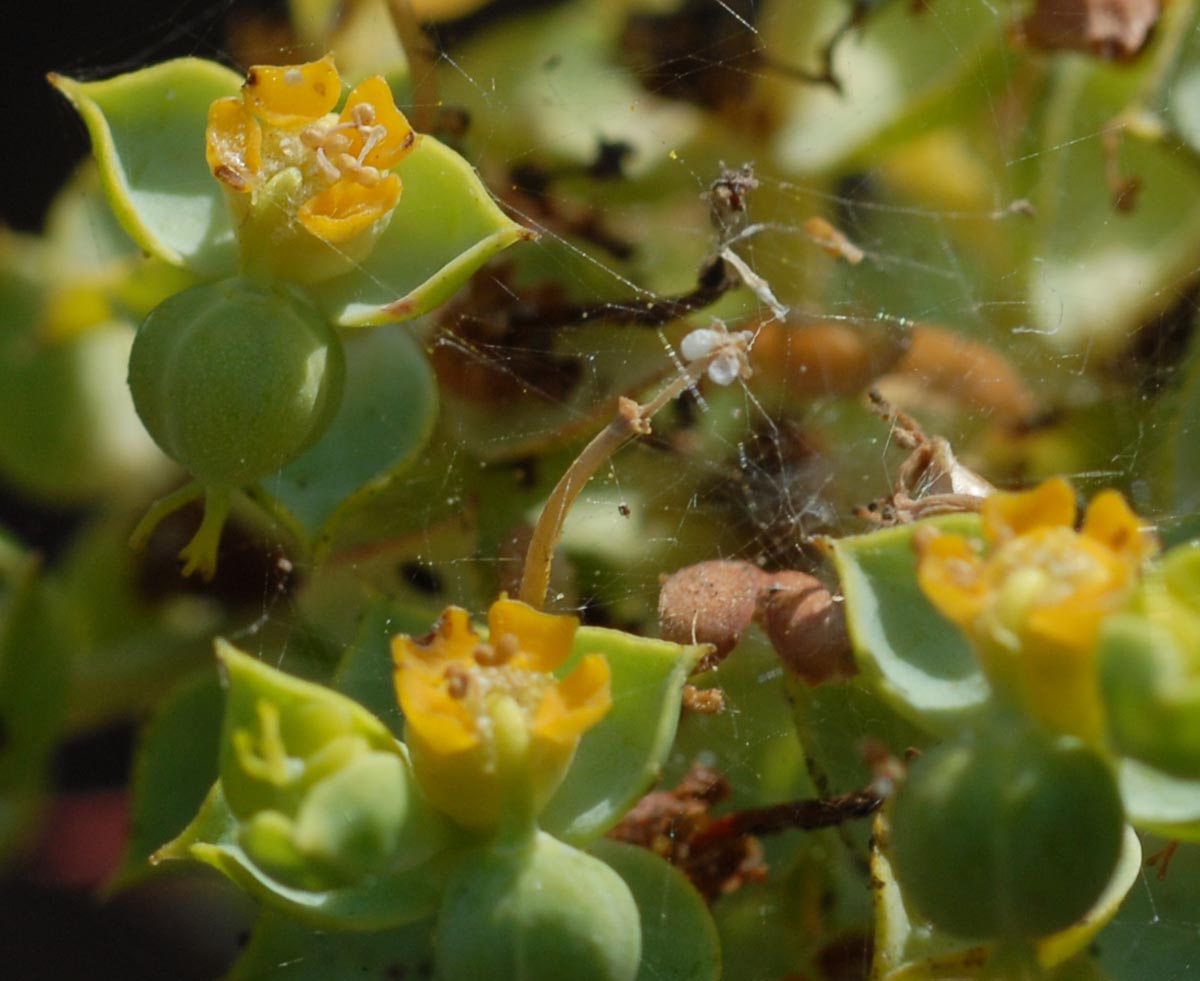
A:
[972,374]
[710,603]
[807,627]
[1113,29]
[822,359]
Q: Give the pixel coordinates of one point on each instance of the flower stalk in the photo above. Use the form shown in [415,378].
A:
[631,420]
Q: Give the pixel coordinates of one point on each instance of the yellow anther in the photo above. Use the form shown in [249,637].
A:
[458,681]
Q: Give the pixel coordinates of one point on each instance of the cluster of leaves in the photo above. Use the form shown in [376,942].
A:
[990,214]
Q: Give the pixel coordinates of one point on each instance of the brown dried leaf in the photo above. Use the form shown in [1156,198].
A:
[667,822]
[1113,29]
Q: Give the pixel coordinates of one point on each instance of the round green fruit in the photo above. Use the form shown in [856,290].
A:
[1008,832]
[540,911]
[234,379]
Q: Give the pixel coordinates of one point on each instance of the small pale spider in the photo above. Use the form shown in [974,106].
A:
[725,351]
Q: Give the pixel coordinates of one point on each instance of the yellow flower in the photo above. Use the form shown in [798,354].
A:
[488,726]
[338,182]
[1034,604]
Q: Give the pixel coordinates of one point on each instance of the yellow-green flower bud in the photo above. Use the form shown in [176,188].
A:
[323,793]
[1149,661]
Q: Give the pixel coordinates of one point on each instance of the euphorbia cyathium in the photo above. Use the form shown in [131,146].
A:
[292,210]
[325,815]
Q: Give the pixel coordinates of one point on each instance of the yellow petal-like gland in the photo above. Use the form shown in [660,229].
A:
[950,574]
[490,731]
[290,96]
[1034,606]
[1050,504]
[441,721]
[577,703]
[545,638]
[1110,521]
[233,144]
[398,138]
[346,209]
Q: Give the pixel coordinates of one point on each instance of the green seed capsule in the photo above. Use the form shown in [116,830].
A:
[234,379]
[1008,832]
[537,912]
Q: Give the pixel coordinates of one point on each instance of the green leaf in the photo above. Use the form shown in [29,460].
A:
[753,742]
[36,644]
[895,71]
[916,659]
[444,228]
[620,758]
[81,230]
[1175,464]
[838,721]
[292,951]
[679,938]
[306,717]
[614,361]
[136,648]
[1156,801]
[366,670]
[175,766]
[907,948]
[1151,697]
[386,417]
[1097,273]
[147,130]
[376,903]
[558,71]
[1154,934]
[78,436]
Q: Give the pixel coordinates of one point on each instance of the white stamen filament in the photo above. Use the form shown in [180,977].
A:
[326,166]
[331,143]
[371,138]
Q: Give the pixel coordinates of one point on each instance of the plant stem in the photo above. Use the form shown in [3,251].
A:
[419,54]
[631,420]
[810,814]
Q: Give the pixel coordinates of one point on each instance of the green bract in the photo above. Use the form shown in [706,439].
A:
[1006,832]
[324,792]
[315,809]
[235,378]
[69,301]
[1149,666]
[907,949]
[317,813]
[916,659]
[534,911]
[35,647]
[148,133]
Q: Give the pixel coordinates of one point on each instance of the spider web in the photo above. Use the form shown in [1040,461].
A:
[613,157]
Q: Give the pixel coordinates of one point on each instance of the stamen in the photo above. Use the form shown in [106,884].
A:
[457,681]
[356,171]
[508,646]
[372,138]
[498,654]
[485,656]
[363,114]
[326,166]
